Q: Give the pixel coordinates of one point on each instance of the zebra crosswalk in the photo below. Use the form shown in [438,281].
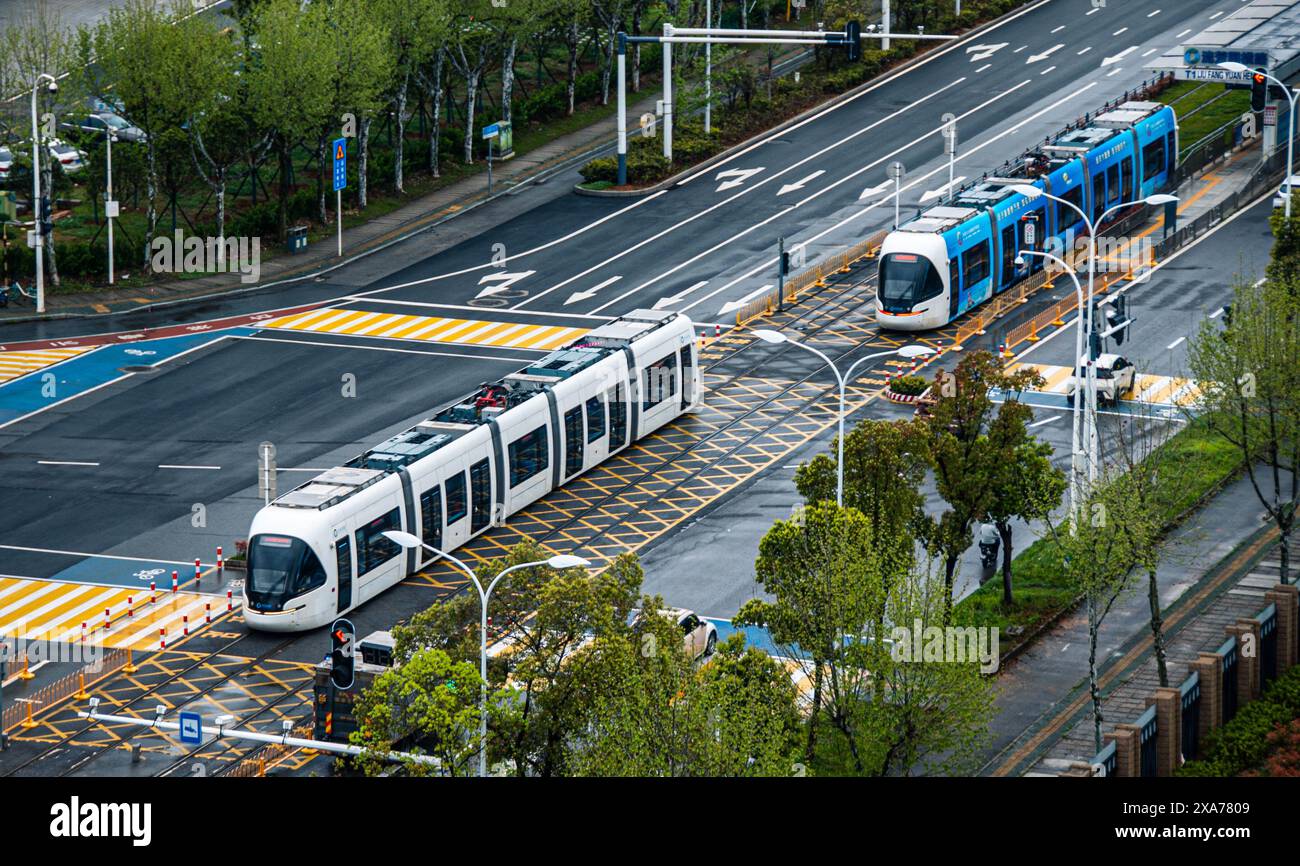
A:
[435,329]
[52,611]
[1147,388]
[19,363]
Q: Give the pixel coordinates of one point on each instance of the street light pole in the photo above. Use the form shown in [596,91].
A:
[36,190]
[913,351]
[109,204]
[407,541]
[708,69]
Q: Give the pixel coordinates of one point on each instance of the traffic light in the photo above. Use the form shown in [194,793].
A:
[853,44]
[785,264]
[1258,90]
[45,218]
[343,638]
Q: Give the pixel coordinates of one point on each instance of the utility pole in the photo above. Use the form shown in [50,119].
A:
[110,206]
[668,92]
[622,109]
[37,209]
[781,267]
[708,69]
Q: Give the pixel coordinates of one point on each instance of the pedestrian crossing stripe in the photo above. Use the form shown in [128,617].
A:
[1147,388]
[18,363]
[394,326]
[52,611]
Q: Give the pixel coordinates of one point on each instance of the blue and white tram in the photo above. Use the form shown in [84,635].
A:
[319,550]
[953,257]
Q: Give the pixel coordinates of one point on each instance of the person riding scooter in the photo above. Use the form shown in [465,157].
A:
[990,541]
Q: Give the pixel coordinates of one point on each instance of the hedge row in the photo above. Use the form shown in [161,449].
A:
[1243,743]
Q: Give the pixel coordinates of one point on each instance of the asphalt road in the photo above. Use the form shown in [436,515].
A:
[701,243]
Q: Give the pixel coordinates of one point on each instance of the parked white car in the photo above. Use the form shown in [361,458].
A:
[1115,376]
[72,159]
[1279,200]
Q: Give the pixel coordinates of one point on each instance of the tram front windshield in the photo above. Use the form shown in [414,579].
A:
[279,568]
[906,280]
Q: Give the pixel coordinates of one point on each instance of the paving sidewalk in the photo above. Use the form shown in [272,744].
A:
[455,199]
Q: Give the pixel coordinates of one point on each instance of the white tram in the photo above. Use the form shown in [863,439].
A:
[318,551]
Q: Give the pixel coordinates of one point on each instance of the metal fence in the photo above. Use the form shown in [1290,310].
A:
[43,698]
[1148,730]
[1106,759]
[813,275]
[1267,619]
[1190,700]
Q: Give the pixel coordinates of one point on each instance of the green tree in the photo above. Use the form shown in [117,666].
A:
[1024,484]
[429,705]
[826,571]
[1251,395]
[416,31]
[964,460]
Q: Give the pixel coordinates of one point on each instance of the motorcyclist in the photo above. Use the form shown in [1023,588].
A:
[990,541]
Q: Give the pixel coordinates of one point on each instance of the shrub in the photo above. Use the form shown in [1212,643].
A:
[909,386]
[1243,743]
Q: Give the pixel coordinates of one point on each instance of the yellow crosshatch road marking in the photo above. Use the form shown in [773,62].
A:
[1147,387]
[433,329]
[47,610]
[15,364]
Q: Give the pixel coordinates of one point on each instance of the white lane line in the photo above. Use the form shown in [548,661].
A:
[920,180]
[1047,70]
[326,345]
[1157,266]
[1058,29]
[1184,33]
[84,555]
[1217,313]
[985,66]
[1153,14]
[1175,343]
[1021,48]
[185,466]
[1149,52]
[1119,31]
[1045,421]
[65,463]
[1084,51]
[728,200]
[1216,15]
[1115,71]
[1093,10]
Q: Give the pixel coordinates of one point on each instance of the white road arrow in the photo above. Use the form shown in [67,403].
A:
[800,184]
[872,191]
[935,193]
[984,51]
[737,175]
[1034,58]
[502,280]
[732,306]
[1116,58]
[590,293]
[679,297]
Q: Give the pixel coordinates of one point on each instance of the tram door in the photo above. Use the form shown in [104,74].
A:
[343,552]
[688,377]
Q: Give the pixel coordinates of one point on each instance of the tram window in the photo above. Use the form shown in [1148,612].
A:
[1112,184]
[1067,217]
[480,483]
[1008,255]
[455,498]
[529,455]
[1098,195]
[617,417]
[431,516]
[659,381]
[595,418]
[373,548]
[1153,159]
[279,568]
[975,264]
[1126,177]
[343,558]
[572,441]
[954,276]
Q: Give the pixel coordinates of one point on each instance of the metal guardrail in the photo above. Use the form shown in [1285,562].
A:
[814,275]
[24,707]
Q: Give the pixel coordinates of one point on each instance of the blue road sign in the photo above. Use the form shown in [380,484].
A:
[492,131]
[340,164]
[191,728]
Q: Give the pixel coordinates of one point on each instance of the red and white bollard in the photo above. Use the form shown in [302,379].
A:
[162,638]
[198,572]
[153,592]
[221,563]
[83,632]
[717,329]
[176,581]
[107,620]
[230,603]
[130,607]
[185,625]
[207,617]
